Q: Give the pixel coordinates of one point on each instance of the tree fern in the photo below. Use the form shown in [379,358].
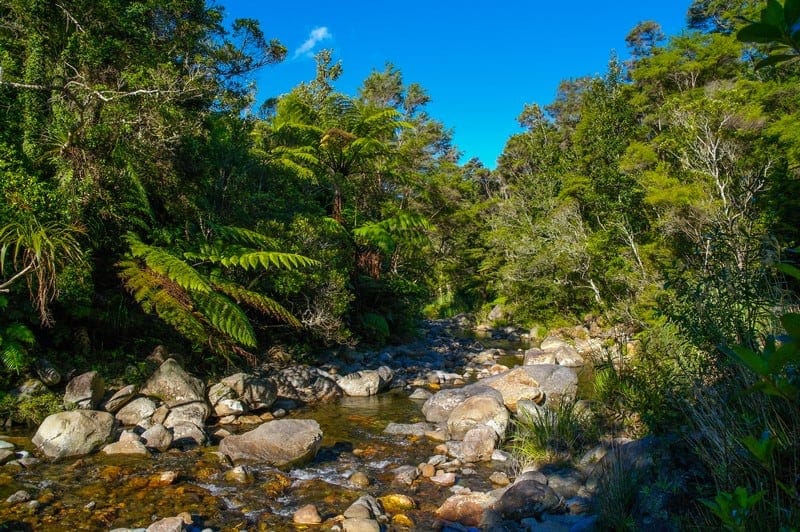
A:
[226,317]
[258,301]
[168,265]
[199,300]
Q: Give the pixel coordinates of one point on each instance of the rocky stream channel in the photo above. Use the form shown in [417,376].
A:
[412,437]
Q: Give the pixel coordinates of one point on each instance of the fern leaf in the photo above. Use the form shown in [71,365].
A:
[226,317]
[19,333]
[14,357]
[265,259]
[260,302]
[241,235]
[168,265]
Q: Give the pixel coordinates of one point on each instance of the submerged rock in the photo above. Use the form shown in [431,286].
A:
[277,443]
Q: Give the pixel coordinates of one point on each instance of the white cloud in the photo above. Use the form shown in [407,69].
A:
[316,36]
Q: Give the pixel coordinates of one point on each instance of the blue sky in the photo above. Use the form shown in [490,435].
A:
[479,61]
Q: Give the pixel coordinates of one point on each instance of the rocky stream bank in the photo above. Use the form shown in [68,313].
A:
[409,438]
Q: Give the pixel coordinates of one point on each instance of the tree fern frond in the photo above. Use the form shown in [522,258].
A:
[168,265]
[19,333]
[226,317]
[157,294]
[260,302]
[15,358]
[250,260]
[240,235]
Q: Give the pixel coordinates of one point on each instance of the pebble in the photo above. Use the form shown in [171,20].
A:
[427,470]
[444,479]
[499,478]
[359,480]
[307,515]
[19,496]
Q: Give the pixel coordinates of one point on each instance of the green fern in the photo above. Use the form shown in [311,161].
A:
[168,265]
[198,300]
[258,301]
[226,317]
[15,340]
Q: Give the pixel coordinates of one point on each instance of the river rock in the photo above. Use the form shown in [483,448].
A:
[195,412]
[169,524]
[73,433]
[527,498]
[277,443]
[478,410]
[173,385]
[307,515]
[466,509]
[120,398]
[554,381]
[306,385]
[534,355]
[137,412]
[478,444]
[444,479]
[394,503]
[187,434]
[157,437]
[29,388]
[366,382]
[420,394]
[552,343]
[568,356]
[85,391]
[6,455]
[438,408]
[253,391]
[365,507]
[132,447]
[358,524]
[405,474]
[47,372]
[359,480]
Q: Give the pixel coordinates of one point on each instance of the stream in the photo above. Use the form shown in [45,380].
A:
[100,492]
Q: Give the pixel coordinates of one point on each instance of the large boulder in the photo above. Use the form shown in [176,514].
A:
[439,406]
[516,385]
[305,385]
[277,443]
[366,382]
[253,392]
[73,433]
[478,410]
[85,391]
[173,385]
[522,382]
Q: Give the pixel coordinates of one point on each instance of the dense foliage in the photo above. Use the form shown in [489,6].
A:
[142,201]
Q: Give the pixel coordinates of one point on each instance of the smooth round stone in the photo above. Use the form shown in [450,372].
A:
[444,479]
[359,480]
[499,478]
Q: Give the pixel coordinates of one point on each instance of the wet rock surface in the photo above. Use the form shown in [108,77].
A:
[370,459]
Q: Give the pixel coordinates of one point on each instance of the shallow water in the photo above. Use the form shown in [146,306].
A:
[99,492]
